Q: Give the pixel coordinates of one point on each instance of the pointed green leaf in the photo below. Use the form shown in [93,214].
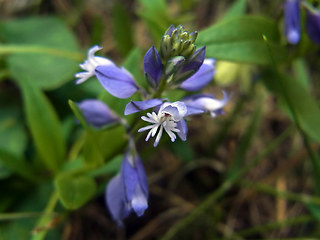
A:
[254,52]
[73,191]
[44,126]
[244,28]
[240,40]
[237,9]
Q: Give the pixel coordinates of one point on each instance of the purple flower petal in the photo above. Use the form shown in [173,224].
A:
[152,66]
[194,110]
[90,64]
[115,199]
[117,81]
[137,106]
[195,61]
[207,103]
[292,21]
[201,78]
[182,126]
[313,25]
[97,113]
[135,183]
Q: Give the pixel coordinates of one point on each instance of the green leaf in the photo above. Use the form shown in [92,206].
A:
[237,9]
[244,28]
[111,167]
[240,40]
[305,107]
[16,165]
[112,141]
[73,191]
[12,135]
[254,52]
[44,51]
[78,113]
[301,72]
[122,28]
[44,126]
[314,210]
[92,153]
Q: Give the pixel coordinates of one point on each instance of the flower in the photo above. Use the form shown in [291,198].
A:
[117,81]
[201,103]
[97,113]
[170,118]
[292,21]
[128,191]
[201,78]
[313,24]
[90,65]
[152,67]
[189,67]
[137,106]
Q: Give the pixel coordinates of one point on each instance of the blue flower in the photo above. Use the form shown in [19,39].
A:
[200,103]
[117,81]
[90,64]
[189,67]
[128,191]
[292,21]
[137,106]
[97,113]
[152,67]
[201,78]
[313,24]
[169,118]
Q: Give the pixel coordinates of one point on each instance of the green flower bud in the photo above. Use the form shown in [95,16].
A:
[165,47]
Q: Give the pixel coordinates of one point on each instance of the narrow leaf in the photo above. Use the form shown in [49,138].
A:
[44,126]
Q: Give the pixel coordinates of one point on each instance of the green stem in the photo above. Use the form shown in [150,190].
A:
[213,197]
[46,218]
[21,215]
[9,49]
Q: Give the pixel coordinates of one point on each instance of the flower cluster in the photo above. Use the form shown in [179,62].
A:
[292,28]
[178,64]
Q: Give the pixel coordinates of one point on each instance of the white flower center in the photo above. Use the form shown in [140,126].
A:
[159,121]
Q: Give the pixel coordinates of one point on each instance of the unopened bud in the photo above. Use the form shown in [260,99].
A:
[173,65]
[165,47]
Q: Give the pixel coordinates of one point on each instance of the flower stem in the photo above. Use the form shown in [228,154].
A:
[44,224]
